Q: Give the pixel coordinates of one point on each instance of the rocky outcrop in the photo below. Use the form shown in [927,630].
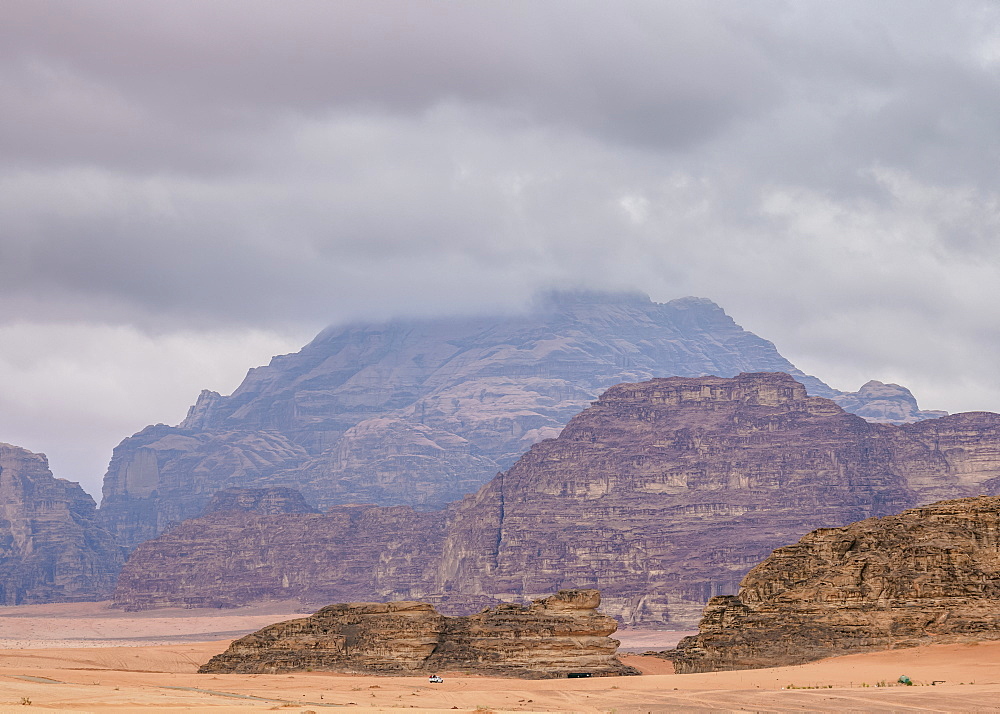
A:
[421,412]
[929,575]
[662,494]
[885,404]
[552,637]
[51,546]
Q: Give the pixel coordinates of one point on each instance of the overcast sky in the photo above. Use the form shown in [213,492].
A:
[188,188]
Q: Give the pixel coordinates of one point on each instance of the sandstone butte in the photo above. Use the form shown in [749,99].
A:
[662,494]
[929,575]
[422,412]
[552,637]
[52,548]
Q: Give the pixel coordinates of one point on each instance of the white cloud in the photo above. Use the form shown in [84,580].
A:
[73,391]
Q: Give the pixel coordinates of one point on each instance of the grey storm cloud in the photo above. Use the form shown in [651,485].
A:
[176,177]
[177,156]
[188,86]
[662,74]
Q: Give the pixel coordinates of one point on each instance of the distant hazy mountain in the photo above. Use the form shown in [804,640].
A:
[885,404]
[421,412]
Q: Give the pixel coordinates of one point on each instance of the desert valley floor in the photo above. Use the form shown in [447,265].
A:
[89,658]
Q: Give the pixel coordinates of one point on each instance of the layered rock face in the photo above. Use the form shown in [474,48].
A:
[265,501]
[51,546]
[421,412]
[231,558]
[665,493]
[929,575]
[164,475]
[662,494]
[551,637]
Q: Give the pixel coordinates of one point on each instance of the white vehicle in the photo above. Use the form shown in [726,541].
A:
[434,679]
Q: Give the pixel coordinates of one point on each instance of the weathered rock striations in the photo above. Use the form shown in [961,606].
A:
[231,558]
[928,575]
[421,412]
[552,637]
[265,501]
[164,475]
[662,494]
[51,546]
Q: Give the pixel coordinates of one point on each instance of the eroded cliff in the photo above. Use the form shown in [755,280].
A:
[231,558]
[51,546]
[928,575]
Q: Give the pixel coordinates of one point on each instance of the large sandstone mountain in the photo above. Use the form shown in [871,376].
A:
[52,548]
[661,494]
[553,637]
[929,575]
[422,412]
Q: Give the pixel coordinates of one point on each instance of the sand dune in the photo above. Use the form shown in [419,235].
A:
[163,676]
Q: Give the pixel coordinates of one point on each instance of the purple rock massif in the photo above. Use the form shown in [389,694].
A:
[52,548]
[231,558]
[661,494]
[421,412]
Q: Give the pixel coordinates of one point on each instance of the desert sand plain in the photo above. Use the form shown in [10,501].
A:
[89,658]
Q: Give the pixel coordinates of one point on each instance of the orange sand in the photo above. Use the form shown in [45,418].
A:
[162,676]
